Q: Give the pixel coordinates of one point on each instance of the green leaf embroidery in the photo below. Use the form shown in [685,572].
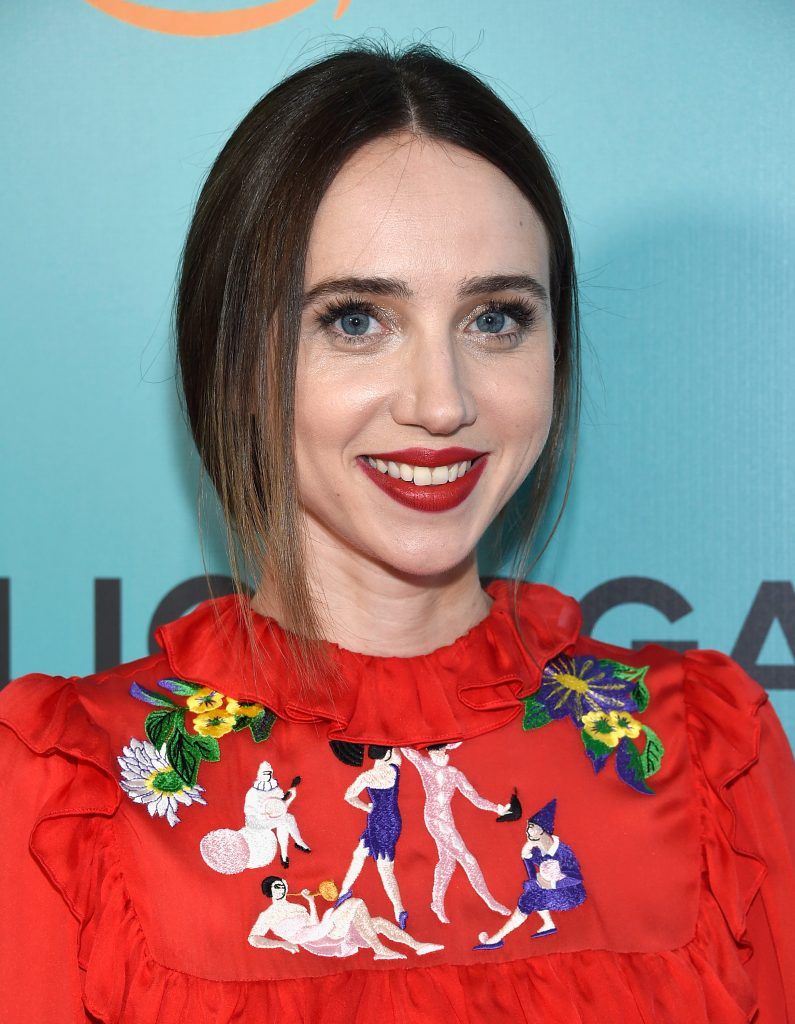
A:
[597,748]
[641,695]
[652,754]
[160,724]
[261,725]
[208,747]
[184,755]
[631,673]
[535,714]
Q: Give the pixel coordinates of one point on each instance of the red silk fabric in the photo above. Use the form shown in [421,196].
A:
[112,915]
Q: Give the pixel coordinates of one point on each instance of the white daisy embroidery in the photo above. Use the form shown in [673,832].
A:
[148,778]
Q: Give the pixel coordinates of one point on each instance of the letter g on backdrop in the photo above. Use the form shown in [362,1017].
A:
[206,23]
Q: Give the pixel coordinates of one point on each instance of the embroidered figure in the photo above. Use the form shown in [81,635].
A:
[554,880]
[384,823]
[599,696]
[440,781]
[267,823]
[148,778]
[183,744]
[342,930]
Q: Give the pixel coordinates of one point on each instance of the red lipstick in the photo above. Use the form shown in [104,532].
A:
[428,456]
[432,497]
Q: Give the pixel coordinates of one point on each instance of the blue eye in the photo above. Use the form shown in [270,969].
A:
[355,323]
[491,322]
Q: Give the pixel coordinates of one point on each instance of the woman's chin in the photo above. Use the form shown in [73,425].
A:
[425,563]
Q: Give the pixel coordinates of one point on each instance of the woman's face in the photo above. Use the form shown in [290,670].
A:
[426,327]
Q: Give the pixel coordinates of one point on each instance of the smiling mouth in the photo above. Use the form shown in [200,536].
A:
[423,476]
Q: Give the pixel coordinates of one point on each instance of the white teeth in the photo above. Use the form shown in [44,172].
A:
[422,476]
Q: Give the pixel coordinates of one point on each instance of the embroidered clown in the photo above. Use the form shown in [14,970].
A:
[554,880]
[342,930]
[440,781]
[384,823]
[268,825]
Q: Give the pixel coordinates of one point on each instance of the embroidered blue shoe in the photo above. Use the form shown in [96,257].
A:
[404,916]
[490,945]
[343,896]
[547,931]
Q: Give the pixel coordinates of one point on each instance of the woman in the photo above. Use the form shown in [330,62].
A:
[382,831]
[378,343]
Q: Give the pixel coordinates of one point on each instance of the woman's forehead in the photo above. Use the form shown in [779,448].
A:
[426,212]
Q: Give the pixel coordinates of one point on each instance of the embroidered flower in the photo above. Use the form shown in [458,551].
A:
[205,699]
[182,750]
[625,724]
[245,710]
[598,696]
[598,725]
[214,723]
[575,686]
[147,777]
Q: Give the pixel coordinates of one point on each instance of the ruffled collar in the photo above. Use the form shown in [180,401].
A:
[468,687]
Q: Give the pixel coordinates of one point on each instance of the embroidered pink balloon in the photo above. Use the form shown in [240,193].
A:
[225,851]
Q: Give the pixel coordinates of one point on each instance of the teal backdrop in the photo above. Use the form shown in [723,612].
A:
[671,129]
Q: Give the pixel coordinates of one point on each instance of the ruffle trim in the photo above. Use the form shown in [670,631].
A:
[455,692]
[724,733]
[74,840]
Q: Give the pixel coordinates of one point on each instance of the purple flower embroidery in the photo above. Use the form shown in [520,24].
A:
[573,686]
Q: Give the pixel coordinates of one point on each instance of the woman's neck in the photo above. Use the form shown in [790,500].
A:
[369,609]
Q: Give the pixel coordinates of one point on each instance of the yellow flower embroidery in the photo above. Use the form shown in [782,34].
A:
[243,710]
[625,724]
[599,726]
[213,723]
[205,699]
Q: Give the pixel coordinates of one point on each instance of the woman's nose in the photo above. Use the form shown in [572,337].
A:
[435,391]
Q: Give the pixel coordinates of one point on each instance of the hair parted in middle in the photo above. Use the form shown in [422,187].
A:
[240,289]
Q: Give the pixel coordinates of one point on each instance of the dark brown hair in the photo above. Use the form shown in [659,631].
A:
[240,286]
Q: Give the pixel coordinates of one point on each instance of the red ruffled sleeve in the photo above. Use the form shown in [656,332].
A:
[40,977]
[747,785]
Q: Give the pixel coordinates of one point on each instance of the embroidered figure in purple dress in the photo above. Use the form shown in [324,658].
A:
[440,781]
[382,831]
[554,880]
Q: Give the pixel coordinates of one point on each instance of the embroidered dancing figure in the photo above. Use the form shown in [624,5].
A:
[554,880]
[342,930]
[268,823]
[384,823]
[440,781]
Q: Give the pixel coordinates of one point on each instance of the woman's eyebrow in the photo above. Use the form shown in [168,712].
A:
[503,283]
[374,285]
[397,288]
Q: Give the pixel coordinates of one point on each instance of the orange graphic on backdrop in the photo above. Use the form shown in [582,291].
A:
[206,23]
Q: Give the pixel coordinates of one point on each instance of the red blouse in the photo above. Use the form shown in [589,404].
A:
[565,831]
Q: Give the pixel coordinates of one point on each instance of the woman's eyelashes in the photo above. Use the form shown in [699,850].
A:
[500,321]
